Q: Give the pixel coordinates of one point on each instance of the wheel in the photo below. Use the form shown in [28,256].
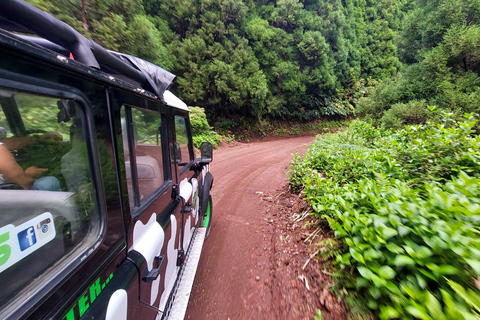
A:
[207,216]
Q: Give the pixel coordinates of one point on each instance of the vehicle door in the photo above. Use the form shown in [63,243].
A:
[153,235]
[186,178]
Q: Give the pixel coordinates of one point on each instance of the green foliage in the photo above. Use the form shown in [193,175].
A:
[328,248]
[406,206]
[226,124]
[230,138]
[117,25]
[318,315]
[378,99]
[201,130]
[269,60]
[283,129]
[400,114]
[211,137]
[198,120]
[41,114]
[438,42]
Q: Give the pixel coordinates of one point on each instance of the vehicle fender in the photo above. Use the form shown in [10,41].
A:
[205,192]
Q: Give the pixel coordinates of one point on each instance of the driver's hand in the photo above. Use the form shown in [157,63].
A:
[53,135]
[35,172]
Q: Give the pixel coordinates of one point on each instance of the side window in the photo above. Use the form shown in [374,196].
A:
[48,216]
[142,144]
[182,140]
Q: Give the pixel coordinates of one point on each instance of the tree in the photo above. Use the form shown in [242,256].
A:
[216,66]
[268,58]
[119,25]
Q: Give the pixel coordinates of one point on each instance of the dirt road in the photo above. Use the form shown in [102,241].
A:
[234,280]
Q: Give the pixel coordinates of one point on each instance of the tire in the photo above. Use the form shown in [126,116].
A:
[207,216]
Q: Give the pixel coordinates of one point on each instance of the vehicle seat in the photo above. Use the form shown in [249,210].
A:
[74,164]
[148,174]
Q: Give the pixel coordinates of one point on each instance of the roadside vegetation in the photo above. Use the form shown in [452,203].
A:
[405,206]
[282,129]
[201,130]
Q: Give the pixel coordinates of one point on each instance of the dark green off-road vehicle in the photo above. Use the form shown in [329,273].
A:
[114,225]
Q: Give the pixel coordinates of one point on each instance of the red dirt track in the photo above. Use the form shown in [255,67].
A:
[234,277]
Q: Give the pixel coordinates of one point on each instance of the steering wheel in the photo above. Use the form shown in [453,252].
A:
[35,131]
[10,186]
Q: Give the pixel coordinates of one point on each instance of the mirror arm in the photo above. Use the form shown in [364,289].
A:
[198,166]
[175,191]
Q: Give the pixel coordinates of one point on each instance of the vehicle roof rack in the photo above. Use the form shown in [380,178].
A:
[56,35]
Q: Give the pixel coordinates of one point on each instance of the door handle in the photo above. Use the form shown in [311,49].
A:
[152,275]
[187,208]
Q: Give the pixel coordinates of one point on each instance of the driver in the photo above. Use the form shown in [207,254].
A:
[29,179]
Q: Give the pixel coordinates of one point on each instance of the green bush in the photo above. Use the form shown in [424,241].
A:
[226,124]
[214,138]
[377,99]
[198,120]
[201,130]
[400,114]
[406,244]
[406,206]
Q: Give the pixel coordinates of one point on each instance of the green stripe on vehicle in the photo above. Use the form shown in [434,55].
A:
[206,220]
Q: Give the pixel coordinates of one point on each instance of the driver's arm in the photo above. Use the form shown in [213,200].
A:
[11,170]
[15,143]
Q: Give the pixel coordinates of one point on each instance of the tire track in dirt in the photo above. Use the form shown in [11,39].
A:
[233,280]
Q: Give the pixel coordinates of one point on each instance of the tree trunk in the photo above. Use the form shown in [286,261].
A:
[84,15]
[279,84]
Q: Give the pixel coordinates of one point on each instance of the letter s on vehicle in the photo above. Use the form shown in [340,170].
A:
[5,249]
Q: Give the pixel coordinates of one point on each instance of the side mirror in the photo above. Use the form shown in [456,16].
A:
[66,110]
[206,151]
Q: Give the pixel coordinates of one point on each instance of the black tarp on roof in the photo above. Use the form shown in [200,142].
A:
[161,78]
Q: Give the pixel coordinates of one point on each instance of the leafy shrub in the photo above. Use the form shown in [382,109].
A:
[198,120]
[463,95]
[309,107]
[214,138]
[230,138]
[229,124]
[406,205]
[378,99]
[400,114]
[201,130]
[405,244]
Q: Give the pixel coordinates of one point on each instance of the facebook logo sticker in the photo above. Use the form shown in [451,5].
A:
[26,238]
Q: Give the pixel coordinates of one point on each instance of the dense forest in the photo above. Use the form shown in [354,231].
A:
[249,61]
